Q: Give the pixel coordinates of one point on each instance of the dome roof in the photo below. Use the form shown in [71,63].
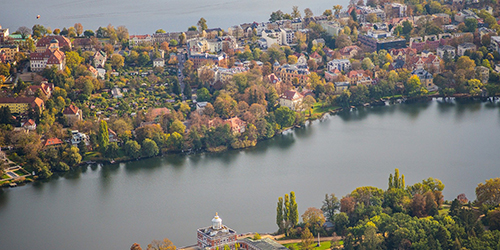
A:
[216,222]
[54,41]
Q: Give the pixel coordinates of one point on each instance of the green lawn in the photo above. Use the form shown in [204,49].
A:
[318,110]
[323,246]
[20,172]
[5,176]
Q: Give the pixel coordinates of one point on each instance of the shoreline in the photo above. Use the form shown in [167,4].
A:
[392,101]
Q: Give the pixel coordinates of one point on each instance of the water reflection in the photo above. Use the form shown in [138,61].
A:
[414,109]
[3,198]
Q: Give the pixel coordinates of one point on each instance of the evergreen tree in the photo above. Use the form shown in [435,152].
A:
[103,136]
[279,214]
[294,212]
[286,213]
[396,178]
[390,181]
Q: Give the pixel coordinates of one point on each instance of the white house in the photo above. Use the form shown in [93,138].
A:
[464,47]
[291,99]
[340,64]
[446,48]
[158,62]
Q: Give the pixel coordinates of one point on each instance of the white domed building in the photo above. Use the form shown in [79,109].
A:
[217,235]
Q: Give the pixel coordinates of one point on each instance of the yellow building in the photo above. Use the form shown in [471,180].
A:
[9,51]
[21,104]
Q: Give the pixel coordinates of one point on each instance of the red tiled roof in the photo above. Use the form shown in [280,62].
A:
[45,41]
[71,110]
[52,141]
[289,94]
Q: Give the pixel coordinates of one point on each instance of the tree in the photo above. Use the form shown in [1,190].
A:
[143,59]
[166,244]
[276,15]
[135,246]
[24,31]
[314,218]
[88,33]
[292,59]
[343,41]
[132,149]
[330,206]
[73,59]
[203,95]
[372,18]
[286,214]
[489,192]
[149,148]
[72,156]
[307,240]
[353,15]
[285,117]
[279,214]
[177,126]
[470,24]
[367,64]
[122,33]
[117,61]
[341,222]
[257,236]
[38,31]
[308,13]
[414,88]
[78,29]
[103,136]
[474,86]
[294,211]
[295,12]
[202,24]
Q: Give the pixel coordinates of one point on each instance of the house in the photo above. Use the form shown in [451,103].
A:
[73,114]
[113,137]
[495,42]
[158,62]
[78,137]
[275,81]
[140,40]
[291,99]
[20,105]
[99,59]
[52,56]
[341,87]
[9,51]
[116,93]
[339,64]
[465,47]
[358,77]
[101,73]
[316,57]
[29,125]
[205,58]
[483,74]
[200,107]
[45,87]
[350,51]
[287,73]
[46,42]
[451,51]
[426,61]
[426,79]
[332,76]
[52,142]
[237,125]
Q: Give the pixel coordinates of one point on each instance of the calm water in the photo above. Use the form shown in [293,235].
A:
[146,16]
[113,206]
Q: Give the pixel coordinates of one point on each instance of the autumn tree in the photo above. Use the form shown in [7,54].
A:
[165,244]
[149,148]
[78,29]
[489,192]
[136,246]
[308,13]
[313,218]
[294,211]
[117,61]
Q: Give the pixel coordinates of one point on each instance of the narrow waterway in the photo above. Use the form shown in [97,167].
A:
[113,206]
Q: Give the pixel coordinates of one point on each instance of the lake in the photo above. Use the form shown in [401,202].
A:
[113,206]
[145,17]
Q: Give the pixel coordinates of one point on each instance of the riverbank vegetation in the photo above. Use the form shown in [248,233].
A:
[403,217]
